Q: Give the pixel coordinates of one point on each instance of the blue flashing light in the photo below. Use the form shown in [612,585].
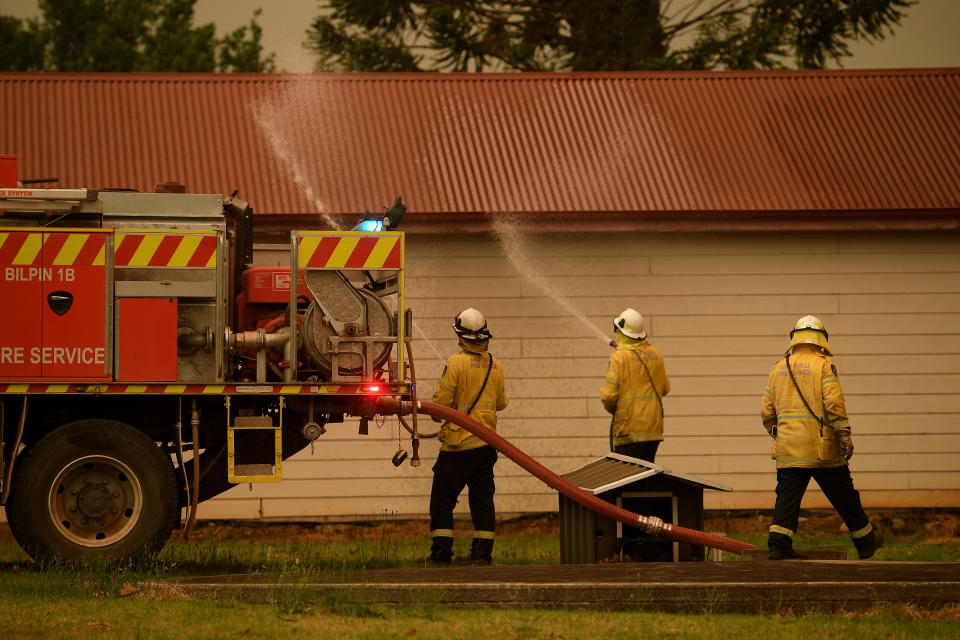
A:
[370,226]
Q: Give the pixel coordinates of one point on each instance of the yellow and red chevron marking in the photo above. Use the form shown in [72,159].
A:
[74,249]
[78,249]
[20,248]
[165,250]
[207,389]
[350,251]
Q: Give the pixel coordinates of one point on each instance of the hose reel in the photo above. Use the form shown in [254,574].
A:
[341,310]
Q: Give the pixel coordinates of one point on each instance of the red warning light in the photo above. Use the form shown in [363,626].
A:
[371,388]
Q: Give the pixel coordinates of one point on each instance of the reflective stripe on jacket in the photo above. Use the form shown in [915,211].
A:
[628,394]
[458,388]
[798,442]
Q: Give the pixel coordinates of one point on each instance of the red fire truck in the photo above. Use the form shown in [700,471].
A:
[147,365]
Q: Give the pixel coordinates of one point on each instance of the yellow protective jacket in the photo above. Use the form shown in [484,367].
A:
[628,394]
[797,434]
[458,387]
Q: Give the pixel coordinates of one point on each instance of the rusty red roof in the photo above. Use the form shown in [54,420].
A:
[812,145]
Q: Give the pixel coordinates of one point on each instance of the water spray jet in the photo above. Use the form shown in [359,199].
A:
[510,237]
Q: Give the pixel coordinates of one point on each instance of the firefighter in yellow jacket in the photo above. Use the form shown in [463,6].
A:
[634,389]
[803,410]
[472,383]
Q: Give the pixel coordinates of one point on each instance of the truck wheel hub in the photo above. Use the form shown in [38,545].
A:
[95,501]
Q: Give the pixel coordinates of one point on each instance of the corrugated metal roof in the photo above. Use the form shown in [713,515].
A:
[615,470]
[754,142]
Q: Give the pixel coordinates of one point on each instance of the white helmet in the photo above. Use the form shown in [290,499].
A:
[630,324]
[470,324]
[809,330]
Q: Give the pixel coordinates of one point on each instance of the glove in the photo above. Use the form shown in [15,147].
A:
[846,444]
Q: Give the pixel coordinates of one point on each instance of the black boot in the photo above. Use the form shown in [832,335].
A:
[781,548]
[868,544]
[481,550]
[785,553]
[441,550]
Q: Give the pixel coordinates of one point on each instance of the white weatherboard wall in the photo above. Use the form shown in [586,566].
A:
[719,306]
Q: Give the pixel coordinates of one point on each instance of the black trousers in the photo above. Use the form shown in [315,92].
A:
[836,484]
[455,470]
[643,450]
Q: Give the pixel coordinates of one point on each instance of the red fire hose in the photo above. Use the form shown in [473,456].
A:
[650,524]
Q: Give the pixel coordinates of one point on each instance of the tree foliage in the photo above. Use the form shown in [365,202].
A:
[21,44]
[127,35]
[593,35]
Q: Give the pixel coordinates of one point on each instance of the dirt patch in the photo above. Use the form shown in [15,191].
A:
[909,611]
[543,524]
[228,530]
[154,591]
[906,523]
[898,522]
[930,524]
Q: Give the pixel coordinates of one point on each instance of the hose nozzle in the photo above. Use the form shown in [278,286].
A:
[415,445]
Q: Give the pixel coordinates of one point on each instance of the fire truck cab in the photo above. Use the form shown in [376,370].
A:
[146,365]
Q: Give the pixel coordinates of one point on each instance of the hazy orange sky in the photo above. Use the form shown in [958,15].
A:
[927,37]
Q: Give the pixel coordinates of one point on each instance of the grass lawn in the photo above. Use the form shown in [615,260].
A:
[99,602]
[52,614]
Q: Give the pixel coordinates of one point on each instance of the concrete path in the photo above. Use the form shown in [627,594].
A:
[713,587]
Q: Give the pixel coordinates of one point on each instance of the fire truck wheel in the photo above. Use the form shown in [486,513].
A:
[93,489]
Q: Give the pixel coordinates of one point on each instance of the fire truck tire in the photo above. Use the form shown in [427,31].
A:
[93,489]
